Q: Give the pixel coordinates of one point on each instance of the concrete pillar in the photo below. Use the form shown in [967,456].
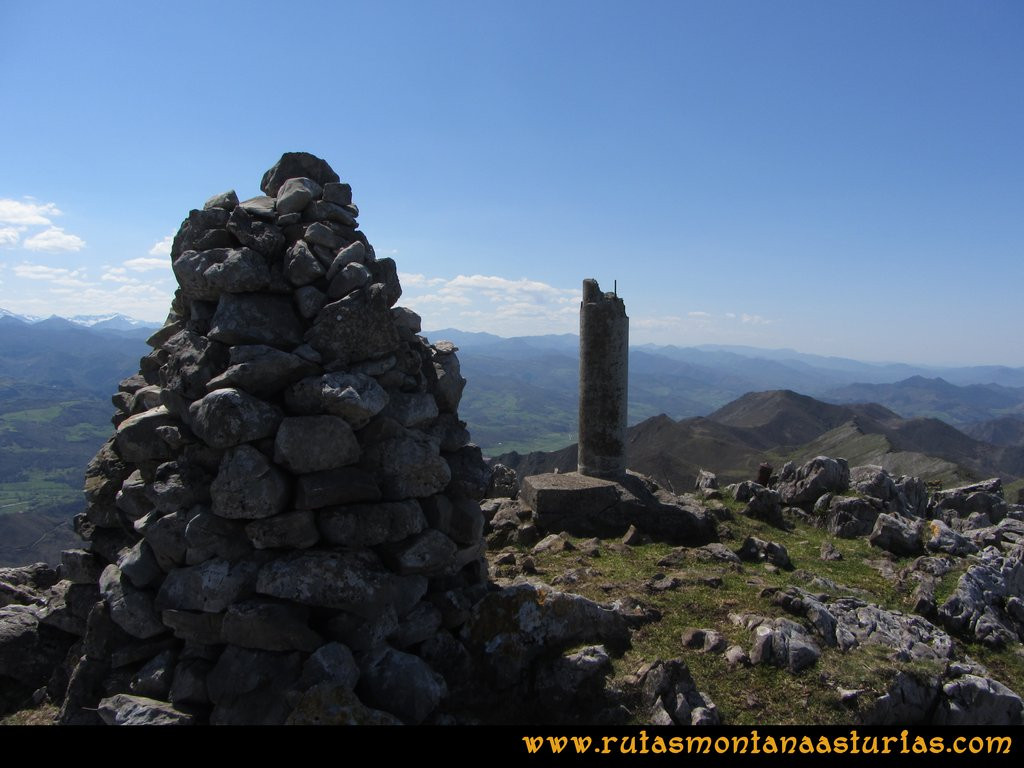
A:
[604,358]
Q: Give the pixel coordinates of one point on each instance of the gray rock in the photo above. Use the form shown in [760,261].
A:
[330,663]
[977,605]
[412,409]
[848,518]
[256,318]
[872,480]
[131,609]
[351,277]
[192,360]
[188,688]
[248,486]
[369,525]
[429,552]
[330,704]
[757,550]
[211,586]
[318,234]
[346,485]
[524,621]
[897,534]
[939,537]
[226,200]
[339,194]
[131,499]
[670,696]
[197,627]
[190,271]
[289,530]
[461,520]
[29,651]
[470,473]
[301,265]
[239,271]
[571,682]
[80,566]
[136,438]
[448,382]
[406,318]
[309,301]
[706,481]
[355,397]
[269,626]
[349,580]
[124,709]
[249,687]
[785,644]
[154,679]
[261,371]
[140,566]
[295,165]
[421,623]
[178,485]
[208,535]
[735,656]
[848,622]
[975,700]
[307,444]
[764,504]
[400,683]
[815,478]
[907,701]
[363,634]
[296,193]
[261,206]
[504,482]
[355,328]
[409,466]
[227,417]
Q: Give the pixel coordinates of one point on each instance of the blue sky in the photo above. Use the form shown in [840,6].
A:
[840,178]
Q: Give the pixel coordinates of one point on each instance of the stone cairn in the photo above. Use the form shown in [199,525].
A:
[285,526]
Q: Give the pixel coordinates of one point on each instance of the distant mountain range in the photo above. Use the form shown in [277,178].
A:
[522,392]
[57,376]
[112,322]
[782,425]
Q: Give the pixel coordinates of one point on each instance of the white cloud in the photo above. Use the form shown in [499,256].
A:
[754,319]
[489,302]
[18,216]
[54,239]
[27,214]
[162,248]
[56,275]
[699,314]
[145,264]
[9,236]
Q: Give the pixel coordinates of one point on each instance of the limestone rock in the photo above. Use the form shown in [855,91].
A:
[897,534]
[402,683]
[815,478]
[297,165]
[307,444]
[123,709]
[248,486]
[227,417]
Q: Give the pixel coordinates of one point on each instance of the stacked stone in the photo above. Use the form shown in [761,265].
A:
[285,524]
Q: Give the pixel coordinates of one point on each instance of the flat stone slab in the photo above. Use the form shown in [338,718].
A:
[555,492]
[589,506]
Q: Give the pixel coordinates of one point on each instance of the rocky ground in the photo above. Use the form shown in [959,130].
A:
[879,605]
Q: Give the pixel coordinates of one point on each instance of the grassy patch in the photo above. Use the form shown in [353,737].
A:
[763,694]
